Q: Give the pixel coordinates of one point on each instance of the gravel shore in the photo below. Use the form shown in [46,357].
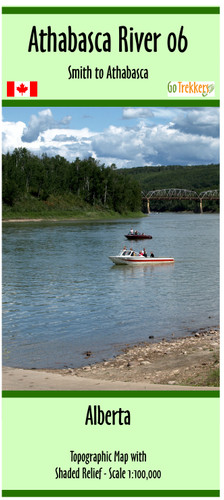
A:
[187,360]
[184,363]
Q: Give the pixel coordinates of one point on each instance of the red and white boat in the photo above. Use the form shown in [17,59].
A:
[140,259]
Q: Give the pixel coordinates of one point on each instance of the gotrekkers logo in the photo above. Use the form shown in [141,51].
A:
[191,89]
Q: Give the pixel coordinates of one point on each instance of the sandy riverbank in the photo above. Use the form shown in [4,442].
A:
[183,363]
[23,220]
[54,219]
[103,217]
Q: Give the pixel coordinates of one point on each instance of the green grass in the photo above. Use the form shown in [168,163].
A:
[208,377]
[58,207]
[213,378]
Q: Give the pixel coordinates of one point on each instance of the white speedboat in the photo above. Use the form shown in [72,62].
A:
[140,259]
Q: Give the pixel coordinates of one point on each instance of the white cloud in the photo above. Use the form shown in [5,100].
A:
[172,136]
[199,121]
[160,144]
[204,121]
[43,121]
[130,113]
[11,135]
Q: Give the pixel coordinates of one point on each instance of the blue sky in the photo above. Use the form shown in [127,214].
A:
[127,137]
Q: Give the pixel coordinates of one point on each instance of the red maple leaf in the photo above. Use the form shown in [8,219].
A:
[22,89]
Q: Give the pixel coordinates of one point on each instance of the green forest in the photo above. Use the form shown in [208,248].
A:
[34,186]
[196,178]
[53,186]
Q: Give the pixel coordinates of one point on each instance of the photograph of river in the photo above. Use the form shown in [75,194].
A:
[75,180]
[62,296]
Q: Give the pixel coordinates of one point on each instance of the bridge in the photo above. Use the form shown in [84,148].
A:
[179,194]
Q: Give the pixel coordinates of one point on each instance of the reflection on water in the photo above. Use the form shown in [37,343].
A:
[63,296]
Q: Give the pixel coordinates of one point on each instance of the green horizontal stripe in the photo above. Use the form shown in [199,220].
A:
[110,493]
[112,394]
[211,103]
[110,10]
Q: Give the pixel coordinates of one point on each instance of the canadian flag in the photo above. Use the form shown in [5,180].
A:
[22,89]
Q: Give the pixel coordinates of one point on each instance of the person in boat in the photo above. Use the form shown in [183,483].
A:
[144,253]
[131,231]
[124,251]
[141,253]
[131,252]
[152,254]
[136,232]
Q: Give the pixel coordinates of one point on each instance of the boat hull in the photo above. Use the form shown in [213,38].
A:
[128,260]
[138,236]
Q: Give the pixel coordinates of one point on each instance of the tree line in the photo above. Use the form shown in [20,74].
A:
[27,175]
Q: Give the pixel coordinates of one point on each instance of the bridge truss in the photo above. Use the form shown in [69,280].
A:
[179,194]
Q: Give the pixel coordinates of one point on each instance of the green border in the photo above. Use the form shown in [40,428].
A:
[112,394]
[110,10]
[109,493]
[211,103]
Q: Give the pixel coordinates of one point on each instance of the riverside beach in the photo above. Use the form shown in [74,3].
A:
[183,363]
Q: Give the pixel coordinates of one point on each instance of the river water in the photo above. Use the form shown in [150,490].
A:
[62,296]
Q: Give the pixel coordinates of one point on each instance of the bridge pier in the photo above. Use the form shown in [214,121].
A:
[201,207]
[148,206]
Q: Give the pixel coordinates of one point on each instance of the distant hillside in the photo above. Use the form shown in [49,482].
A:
[196,178]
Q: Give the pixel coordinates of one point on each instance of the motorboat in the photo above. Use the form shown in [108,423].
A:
[138,236]
[140,259]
